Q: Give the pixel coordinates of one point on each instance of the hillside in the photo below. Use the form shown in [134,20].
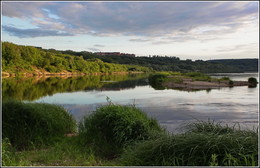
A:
[164,63]
[27,59]
[246,65]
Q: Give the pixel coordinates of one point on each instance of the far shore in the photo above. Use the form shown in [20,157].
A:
[60,74]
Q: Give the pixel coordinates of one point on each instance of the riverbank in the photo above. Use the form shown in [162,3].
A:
[127,138]
[60,74]
[194,81]
[189,84]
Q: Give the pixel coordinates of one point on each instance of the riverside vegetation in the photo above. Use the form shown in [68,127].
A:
[28,60]
[36,134]
[194,81]
[32,88]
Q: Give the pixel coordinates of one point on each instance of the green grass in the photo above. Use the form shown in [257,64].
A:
[66,152]
[28,125]
[197,76]
[116,135]
[176,79]
[110,128]
[206,144]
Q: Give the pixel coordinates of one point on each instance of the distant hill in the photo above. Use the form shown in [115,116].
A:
[17,58]
[245,65]
[173,63]
[168,63]
[20,59]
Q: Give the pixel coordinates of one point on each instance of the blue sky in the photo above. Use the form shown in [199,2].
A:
[189,30]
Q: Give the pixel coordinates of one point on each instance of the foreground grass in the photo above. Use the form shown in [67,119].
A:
[66,152]
[116,135]
[29,125]
[205,144]
[110,128]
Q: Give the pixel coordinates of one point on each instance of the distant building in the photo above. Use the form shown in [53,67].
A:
[115,54]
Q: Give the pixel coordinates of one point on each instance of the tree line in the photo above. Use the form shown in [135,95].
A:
[173,63]
[17,59]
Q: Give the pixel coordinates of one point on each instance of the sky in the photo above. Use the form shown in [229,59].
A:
[185,29]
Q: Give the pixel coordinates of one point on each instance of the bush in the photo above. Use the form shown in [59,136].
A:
[231,83]
[201,147]
[110,128]
[35,124]
[252,82]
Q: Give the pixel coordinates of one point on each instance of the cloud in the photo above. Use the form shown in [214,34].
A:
[239,48]
[139,40]
[142,19]
[25,33]
[23,9]
[98,45]
[94,49]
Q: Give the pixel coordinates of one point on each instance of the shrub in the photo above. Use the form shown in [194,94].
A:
[112,127]
[231,83]
[252,82]
[201,147]
[27,124]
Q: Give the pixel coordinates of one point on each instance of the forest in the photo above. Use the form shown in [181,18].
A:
[173,63]
[17,59]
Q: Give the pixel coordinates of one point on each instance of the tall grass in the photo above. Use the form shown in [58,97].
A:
[34,124]
[117,135]
[110,128]
[207,144]
[7,153]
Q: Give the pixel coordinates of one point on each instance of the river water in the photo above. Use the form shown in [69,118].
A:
[172,108]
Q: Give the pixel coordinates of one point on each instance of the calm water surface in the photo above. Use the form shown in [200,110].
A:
[172,108]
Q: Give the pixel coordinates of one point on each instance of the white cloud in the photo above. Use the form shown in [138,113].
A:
[135,18]
[170,28]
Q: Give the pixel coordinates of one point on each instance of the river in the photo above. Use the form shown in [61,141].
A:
[172,108]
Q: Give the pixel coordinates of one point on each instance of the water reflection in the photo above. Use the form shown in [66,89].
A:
[172,108]
[34,88]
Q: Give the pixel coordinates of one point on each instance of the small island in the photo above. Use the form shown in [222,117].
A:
[194,81]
